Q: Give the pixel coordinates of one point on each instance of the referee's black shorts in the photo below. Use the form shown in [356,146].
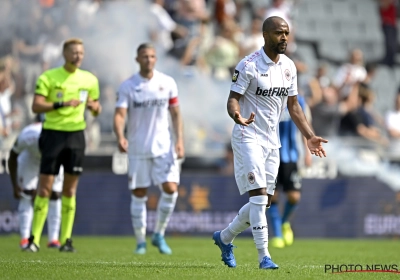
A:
[61,148]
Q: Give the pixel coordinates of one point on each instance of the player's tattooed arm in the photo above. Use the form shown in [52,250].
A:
[233,108]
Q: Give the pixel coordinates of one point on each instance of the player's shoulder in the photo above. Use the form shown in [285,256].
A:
[163,76]
[130,82]
[249,61]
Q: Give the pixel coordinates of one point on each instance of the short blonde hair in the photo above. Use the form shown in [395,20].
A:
[72,41]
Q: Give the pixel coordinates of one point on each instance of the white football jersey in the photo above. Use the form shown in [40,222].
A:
[265,87]
[27,144]
[148,103]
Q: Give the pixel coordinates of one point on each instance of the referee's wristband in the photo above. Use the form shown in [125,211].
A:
[57,105]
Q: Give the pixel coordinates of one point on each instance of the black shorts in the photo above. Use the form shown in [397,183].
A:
[288,177]
[62,148]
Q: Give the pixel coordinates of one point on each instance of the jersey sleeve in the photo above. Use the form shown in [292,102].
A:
[173,96]
[122,97]
[241,77]
[42,85]
[94,92]
[293,85]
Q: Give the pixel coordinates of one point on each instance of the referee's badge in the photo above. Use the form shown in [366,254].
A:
[287,74]
[83,95]
[251,177]
[235,76]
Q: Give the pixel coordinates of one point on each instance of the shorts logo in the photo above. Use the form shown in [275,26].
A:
[287,74]
[77,169]
[235,76]
[251,177]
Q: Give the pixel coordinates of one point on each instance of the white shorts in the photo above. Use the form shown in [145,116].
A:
[255,167]
[28,176]
[144,172]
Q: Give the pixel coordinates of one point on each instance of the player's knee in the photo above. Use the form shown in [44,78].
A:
[139,192]
[169,187]
[293,197]
[55,195]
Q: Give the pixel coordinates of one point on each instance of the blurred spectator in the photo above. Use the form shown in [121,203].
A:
[314,89]
[327,113]
[52,48]
[254,40]
[350,74]
[30,46]
[371,71]
[224,53]
[7,30]
[166,27]
[388,15]
[280,8]
[191,14]
[7,87]
[361,122]
[392,119]
[224,10]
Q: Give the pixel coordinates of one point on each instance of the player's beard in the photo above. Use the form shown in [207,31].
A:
[280,48]
[277,47]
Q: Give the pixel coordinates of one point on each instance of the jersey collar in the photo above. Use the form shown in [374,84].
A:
[268,60]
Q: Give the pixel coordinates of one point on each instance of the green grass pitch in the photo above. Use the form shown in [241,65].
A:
[194,258]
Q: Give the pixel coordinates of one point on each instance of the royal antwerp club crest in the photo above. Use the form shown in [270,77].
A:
[251,177]
[287,75]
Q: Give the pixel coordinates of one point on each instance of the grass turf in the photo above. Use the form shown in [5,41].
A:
[193,258]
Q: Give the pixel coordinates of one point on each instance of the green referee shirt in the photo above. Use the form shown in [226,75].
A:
[57,85]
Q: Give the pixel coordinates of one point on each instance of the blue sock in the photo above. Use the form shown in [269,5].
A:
[276,219]
[289,208]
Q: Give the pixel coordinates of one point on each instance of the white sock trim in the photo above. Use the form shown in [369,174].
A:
[259,200]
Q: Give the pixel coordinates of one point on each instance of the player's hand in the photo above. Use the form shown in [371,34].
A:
[315,146]
[17,192]
[240,120]
[123,145]
[94,107]
[179,149]
[72,103]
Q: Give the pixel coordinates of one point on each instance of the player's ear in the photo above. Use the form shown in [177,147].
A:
[137,59]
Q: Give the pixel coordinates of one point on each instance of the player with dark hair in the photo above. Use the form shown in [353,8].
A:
[263,84]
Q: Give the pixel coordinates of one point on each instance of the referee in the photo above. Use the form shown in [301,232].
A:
[62,94]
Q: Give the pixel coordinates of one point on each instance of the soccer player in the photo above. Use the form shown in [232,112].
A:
[23,164]
[62,94]
[263,84]
[288,178]
[150,96]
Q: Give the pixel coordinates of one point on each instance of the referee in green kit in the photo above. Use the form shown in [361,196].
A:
[62,94]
